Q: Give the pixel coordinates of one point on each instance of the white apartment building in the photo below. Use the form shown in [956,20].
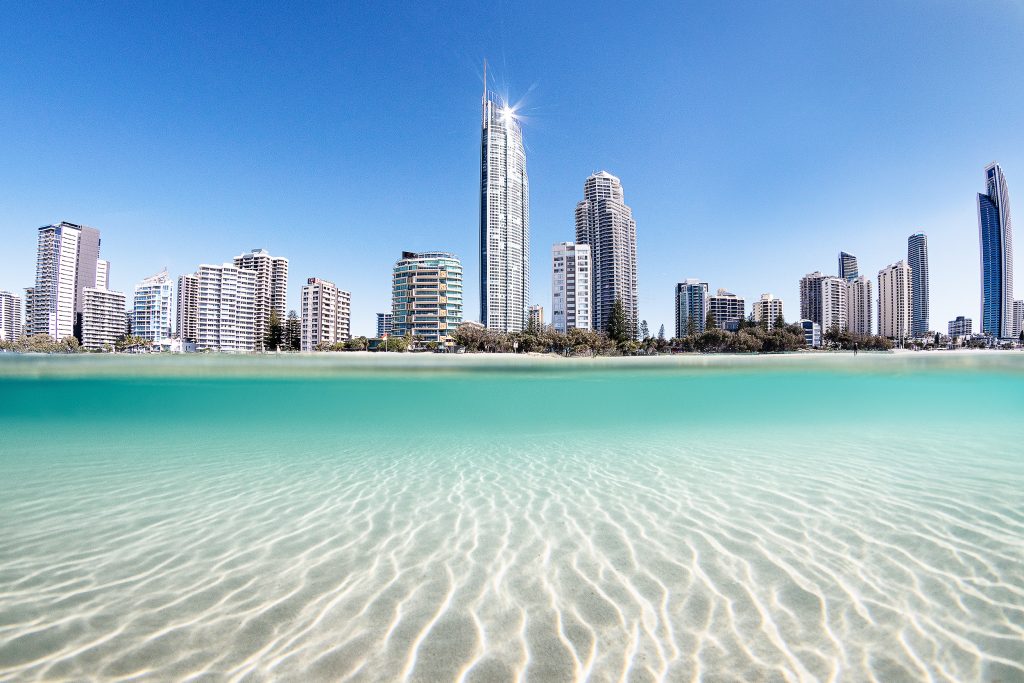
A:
[226,309]
[767,308]
[727,309]
[271,288]
[691,307]
[571,271]
[536,319]
[859,305]
[833,304]
[894,301]
[10,317]
[326,314]
[151,307]
[67,261]
[187,315]
[103,321]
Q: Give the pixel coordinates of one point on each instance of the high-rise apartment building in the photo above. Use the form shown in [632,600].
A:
[917,259]
[960,327]
[604,222]
[571,282]
[995,233]
[767,310]
[833,304]
[187,315]
[691,307]
[727,309]
[271,288]
[103,320]
[10,317]
[151,307]
[226,316]
[383,325]
[1018,318]
[426,296]
[504,218]
[103,274]
[859,305]
[66,263]
[894,301]
[536,317]
[810,296]
[326,314]
[847,266]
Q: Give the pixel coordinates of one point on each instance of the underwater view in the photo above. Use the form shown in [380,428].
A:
[433,518]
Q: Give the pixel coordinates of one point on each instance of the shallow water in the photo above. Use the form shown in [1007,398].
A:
[717,519]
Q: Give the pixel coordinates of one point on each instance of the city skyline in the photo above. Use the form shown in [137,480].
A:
[699,169]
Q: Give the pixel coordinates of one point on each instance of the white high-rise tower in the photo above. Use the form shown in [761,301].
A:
[504,218]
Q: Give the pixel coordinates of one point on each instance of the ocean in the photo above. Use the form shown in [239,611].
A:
[462,518]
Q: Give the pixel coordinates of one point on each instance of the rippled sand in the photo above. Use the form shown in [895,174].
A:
[716,555]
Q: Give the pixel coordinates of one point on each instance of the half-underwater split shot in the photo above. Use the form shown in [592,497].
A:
[491,342]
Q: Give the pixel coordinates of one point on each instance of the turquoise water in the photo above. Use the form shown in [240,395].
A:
[430,519]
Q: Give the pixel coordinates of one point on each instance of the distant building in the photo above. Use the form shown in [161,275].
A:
[326,314]
[10,317]
[151,307]
[605,222]
[767,309]
[571,301]
[1018,318]
[536,317]
[383,324]
[812,333]
[859,305]
[833,304]
[691,307]
[917,259]
[227,308]
[995,234]
[894,301]
[810,296]
[187,325]
[103,321]
[847,266]
[426,296]
[66,263]
[727,309]
[271,289]
[960,327]
[103,274]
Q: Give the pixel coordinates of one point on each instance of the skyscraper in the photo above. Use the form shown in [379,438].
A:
[810,296]
[187,326]
[894,301]
[767,309]
[847,266]
[426,296]
[605,223]
[10,317]
[917,259]
[66,263]
[833,304]
[691,307]
[326,314]
[151,307]
[571,271]
[271,288]
[504,218]
[995,234]
[226,309]
[859,305]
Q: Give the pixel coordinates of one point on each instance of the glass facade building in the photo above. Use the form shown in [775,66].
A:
[847,266]
[426,296]
[917,259]
[995,235]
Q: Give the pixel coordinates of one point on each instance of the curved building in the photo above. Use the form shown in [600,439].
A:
[995,234]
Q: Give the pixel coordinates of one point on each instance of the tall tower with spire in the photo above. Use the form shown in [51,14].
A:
[504,217]
[995,234]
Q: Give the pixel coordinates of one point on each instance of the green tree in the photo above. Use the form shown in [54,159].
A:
[780,321]
[273,339]
[293,332]
[618,328]
[709,321]
[645,332]
[661,332]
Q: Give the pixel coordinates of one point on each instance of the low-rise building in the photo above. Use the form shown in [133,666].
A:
[812,333]
[960,327]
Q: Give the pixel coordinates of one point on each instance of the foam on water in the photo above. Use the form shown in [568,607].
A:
[349,532]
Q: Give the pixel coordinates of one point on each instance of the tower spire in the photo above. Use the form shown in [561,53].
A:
[484,98]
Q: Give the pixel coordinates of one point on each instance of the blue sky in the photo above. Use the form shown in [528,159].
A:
[754,140]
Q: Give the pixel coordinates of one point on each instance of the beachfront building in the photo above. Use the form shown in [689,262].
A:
[847,266]
[426,296]
[66,263]
[383,324]
[226,311]
[767,310]
[605,222]
[103,319]
[917,259]
[833,304]
[10,317]
[504,220]
[271,289]
[571,282]
[810,296]
[691,307]
[326,314]
[894,301]
[187,315]
[536,317]
[812,333]
[151,307]
[859,305]
[727,309]
[960,327]
[995,234]
[1018,318]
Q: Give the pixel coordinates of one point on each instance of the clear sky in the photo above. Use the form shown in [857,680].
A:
[754,140]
